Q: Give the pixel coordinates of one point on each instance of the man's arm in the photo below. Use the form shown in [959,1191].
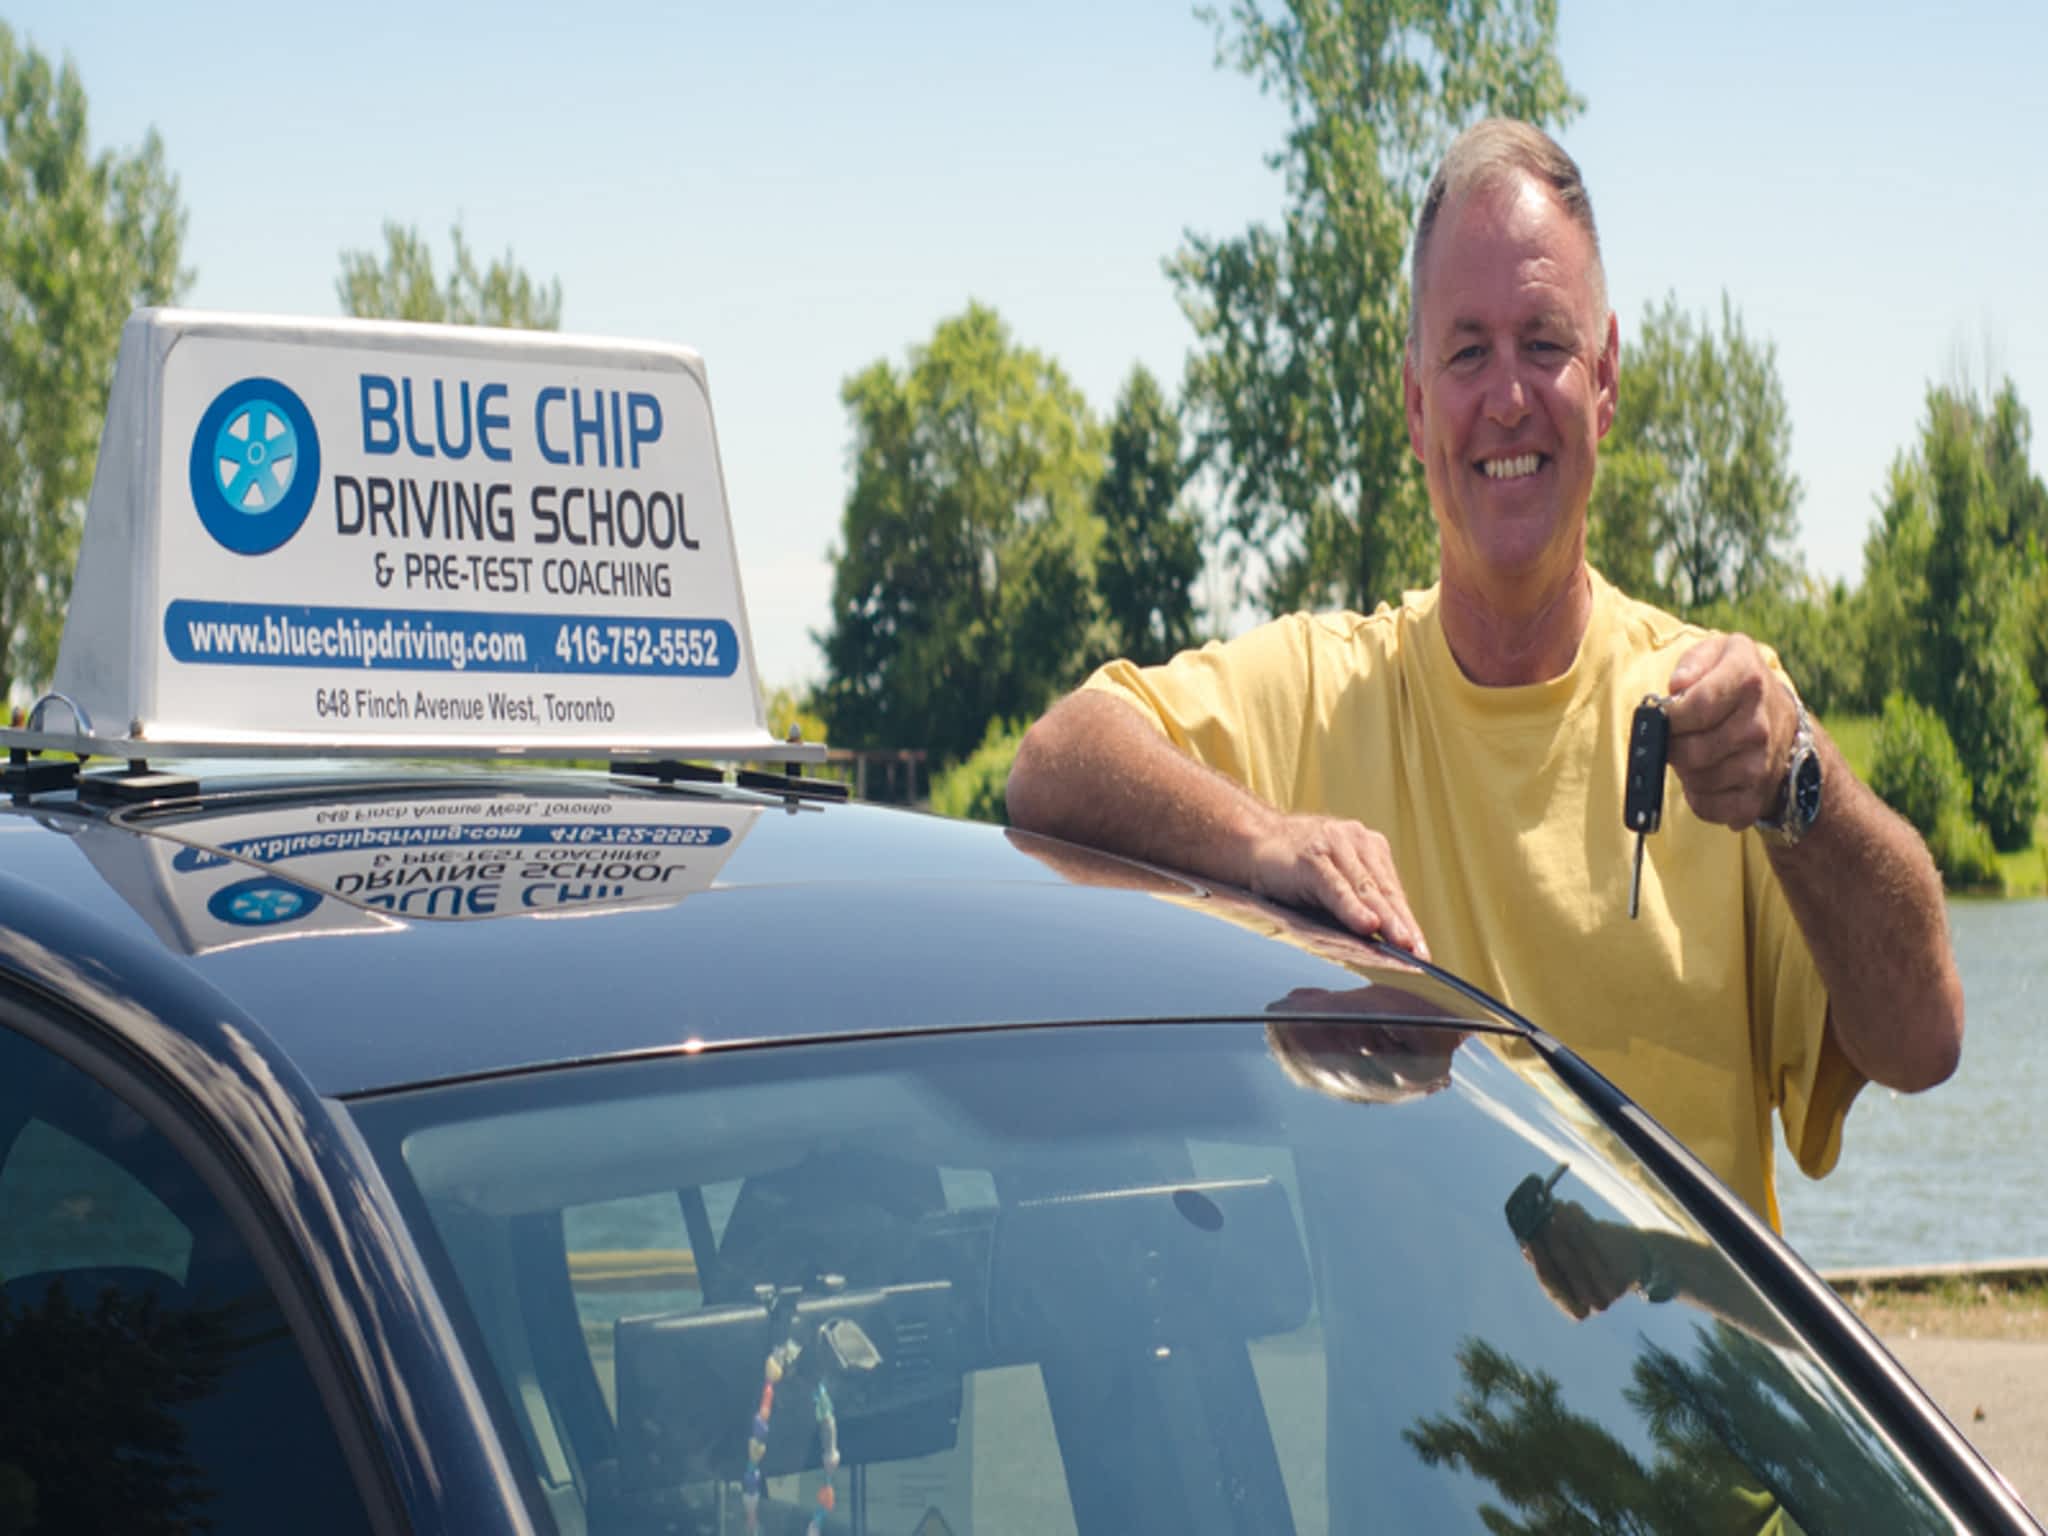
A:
[1585,1265]
[1860,883]
[1093,770]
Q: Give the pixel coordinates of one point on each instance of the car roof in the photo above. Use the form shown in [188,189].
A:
[809,920]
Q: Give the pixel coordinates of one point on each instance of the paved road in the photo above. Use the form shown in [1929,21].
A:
[1996,1391]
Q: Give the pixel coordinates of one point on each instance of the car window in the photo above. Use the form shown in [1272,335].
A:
[1199,1277]
[64,1206]
[151,1381]
[625,1257]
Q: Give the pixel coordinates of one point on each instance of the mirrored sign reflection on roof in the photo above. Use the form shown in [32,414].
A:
[261,872]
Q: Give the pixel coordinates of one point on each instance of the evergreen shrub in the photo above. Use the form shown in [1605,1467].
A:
[973,788]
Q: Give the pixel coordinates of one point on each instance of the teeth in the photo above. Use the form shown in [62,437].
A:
[1510,469]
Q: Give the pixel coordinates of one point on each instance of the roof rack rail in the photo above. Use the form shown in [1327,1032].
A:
[137,785]
[788,782]
[667,770]
[22,775]
[27,774]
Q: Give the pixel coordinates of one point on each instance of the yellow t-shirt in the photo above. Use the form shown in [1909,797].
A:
[1503,809]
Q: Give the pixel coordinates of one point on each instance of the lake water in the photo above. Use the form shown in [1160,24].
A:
[1959,1173]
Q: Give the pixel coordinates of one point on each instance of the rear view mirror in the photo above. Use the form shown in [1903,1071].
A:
[1101,1275]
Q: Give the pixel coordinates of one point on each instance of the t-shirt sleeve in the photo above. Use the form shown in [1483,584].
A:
[1242,706]
[1811,1082]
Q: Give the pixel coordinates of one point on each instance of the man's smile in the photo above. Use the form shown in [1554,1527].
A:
[1519,467]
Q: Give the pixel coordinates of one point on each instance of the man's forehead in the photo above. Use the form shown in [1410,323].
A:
[1508,245]
[1548,315]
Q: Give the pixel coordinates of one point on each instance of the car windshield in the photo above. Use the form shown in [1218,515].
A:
[1258,1277]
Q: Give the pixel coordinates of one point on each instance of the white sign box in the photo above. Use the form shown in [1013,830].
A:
[372,535]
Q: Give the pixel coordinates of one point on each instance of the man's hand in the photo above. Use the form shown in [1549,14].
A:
[1584,1265]
[1732,723]
[1343,867]
[1860,883]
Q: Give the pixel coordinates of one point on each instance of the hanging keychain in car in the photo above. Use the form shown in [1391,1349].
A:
[1642,807]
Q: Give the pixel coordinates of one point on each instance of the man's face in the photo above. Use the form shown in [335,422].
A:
[1510,388]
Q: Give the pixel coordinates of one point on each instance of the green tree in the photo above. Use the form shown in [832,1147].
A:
[2021,517]
[1152,544]
[402,286]
[1974,676]
[1705,409]
[963,587]
[1295,388]
[84,238]
[1893,596]
[2034,619]
[2021,525]
[1621,522]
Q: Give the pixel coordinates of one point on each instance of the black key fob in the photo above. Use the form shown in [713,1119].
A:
[1529,1207]
[1649,742]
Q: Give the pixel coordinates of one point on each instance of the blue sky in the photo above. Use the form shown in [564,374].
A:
[796,190]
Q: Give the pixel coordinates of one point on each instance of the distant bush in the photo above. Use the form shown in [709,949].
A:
[1963,851]
[1914,766]
[973,789]
[1916,770]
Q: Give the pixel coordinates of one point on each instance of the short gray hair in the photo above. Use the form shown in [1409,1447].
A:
[1487,155]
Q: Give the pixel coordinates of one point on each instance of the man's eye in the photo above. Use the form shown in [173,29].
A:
[1467,354]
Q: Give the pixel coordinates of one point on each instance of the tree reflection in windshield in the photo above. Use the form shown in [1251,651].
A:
[1743,1443]
[91,1437]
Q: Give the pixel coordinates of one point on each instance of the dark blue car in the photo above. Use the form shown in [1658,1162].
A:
[422,1150]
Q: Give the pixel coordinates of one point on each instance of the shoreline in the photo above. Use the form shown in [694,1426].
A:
[2000,1299]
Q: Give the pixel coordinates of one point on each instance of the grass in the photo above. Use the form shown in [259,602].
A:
[2024,873]
[1956,1309]
[1856,735]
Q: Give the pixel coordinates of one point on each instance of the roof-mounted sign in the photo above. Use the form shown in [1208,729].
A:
[375,536]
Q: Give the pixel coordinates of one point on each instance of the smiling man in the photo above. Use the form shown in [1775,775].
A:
[1449,773]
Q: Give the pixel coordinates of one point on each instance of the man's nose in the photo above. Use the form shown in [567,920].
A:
[1507,400]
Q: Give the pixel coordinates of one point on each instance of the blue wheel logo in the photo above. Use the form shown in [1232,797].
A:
[261,902]
[255,466]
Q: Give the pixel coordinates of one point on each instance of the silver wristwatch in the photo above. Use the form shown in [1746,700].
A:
[1798,804]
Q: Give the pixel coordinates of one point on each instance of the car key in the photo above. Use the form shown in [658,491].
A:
[1642,809]
[1532,1203]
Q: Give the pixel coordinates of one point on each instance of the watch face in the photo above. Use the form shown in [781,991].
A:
[1806,791]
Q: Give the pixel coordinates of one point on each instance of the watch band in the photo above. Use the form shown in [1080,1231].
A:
[1794,813]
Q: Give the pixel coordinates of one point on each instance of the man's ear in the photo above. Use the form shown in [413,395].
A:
[1607,374]
[1411,397]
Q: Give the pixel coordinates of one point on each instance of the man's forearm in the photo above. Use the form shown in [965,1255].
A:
[1869,901]
[1093,771]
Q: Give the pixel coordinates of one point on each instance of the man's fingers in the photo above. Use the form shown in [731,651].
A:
[1725,746]
[1733,790]
[1379,887]
[1349,885]
[1557,1284]
[1697,662]
[1366,905]
[1344,868]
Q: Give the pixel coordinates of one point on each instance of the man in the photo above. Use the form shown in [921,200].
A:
[1449,774]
